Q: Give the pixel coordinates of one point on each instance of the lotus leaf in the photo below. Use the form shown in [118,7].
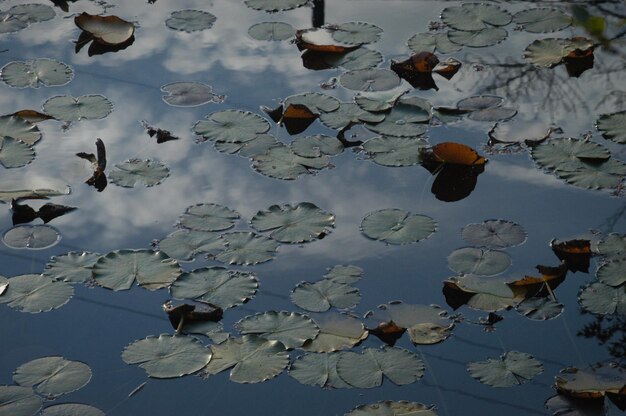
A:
[215,285]
[494,234]
[591,382]
[260,145]
[316,102]
[87,107]
[14,153]
[190,20]
[139,172]
[357,33]
[189,94]
[374,79]
[612,246]
[19,401]
[317,370]
[33,237]
[53,375]
[72,409]
[32,12]
[344,274]
[109,30]
[71,267]
[395,226]
[348,114]
[20,129]
[567,154]
[379,100]
[604,299]
[299,224]
[431,42]
[361,58]
[613,126]
[551,52]
[337,331]
[47,72]
[292,329]
[408,118]
[478,261]
[395,151]
[540,309]
[542,20]
[118,269]
[275,5]
[562,405]
[324,294]
[316,146]
[247,248]
[271,31]
[34,293]
[389,408]
[482,38]
[366,370]
[213,330]
[282,163]
[254,359]
[231,126]
[184,245]
[167,356]
[512,368]
[475,16]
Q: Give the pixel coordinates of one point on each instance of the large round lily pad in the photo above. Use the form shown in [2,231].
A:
[603,299]
[390,408]
[35,293]
[20,129]
[370,79]
[34,237]
[208,217]
[53,375]
[591,382]
[85,107]
[299,224]
[139,172]
[612,246]
[247,248]
[184,245]
[366,370]
[512,368]
[396,226]
[32,12]
[344,274]
[71,267]
[324,294]
[281,162]
[72,409]
[550,52]
[612,273]
[542,20]
[361,58]
[271,31]
[317,370]
[260,145]
[494,234]
[347,114]
[408,118]
[290,328]
[613,126]
[475,16]
[482,38]
[41,71]
[19,401]
[395,151]
[231,126]
[316,146]
[472,260]
[357,33]
[567,155]
[540,309]
[14,153]
[190,20]
[431,42]
[337,331]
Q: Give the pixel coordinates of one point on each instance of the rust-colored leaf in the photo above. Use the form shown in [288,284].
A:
[575,253]
[530,286]
[320,40]
[32,116]
[388,332]
[447,68]
[457,154]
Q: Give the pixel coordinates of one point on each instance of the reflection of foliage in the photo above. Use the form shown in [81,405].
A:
[609,330]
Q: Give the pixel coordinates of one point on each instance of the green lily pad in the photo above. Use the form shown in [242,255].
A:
[271,31]
[567,154]
[208,217]
[71,267]
[366,370]
[493,114]
[7,195]
[347,114]
[613,126]
[213,330]
[299,224]
[10,24]
[357,33]
[216,285]
[53,375]
[20,129]
[184,245]
[479,102]
[139,172]
[603,299]
[32,12]
[15,153]
[325,294]
[395,151]
[482,38]
[374,79]
[595,175]
[292,329]
[344,274]
[431,42]
[247,248]
[494,234]
[406,315]
[488,294]
[408,118]
[260,145]
[478,261]
[189,94]
[253,359]
[190,20]
[317,370]
[540,309]
[361,58]
[167,356]
[85,107]
[591,382]
[475,16]
[377,101]
[612,273]
[72,409]
[275,5]
[550,52]
[337,331]
[612,246]
[542,20]
[35,293]
[36,72]
[231,126]
[33,237]
[119,269]
[389,408]
[282,163]
[511,369]
[395,226]
[19,401]
[316,102]
[316,146]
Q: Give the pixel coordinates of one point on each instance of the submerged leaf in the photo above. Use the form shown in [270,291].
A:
[299,224]
[36,293]
[512,368]
[395,226]
[53,375]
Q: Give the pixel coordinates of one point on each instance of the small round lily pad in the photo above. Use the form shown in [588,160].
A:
[271,31]
[72,267]
[139,172]
[53,375]
[370,79]
[613,126]
[494,234]
[34,237]
[190,20]
[512,368]
[35,293]
[36,72]
[231,126]
[208,217]
[357,33]
[472,260]
[85,107]
[542,20]
[294,224]
[396,226]
[14,153]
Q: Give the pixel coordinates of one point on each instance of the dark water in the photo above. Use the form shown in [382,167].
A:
[96,324]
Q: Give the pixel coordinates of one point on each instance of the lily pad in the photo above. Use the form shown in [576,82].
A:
[108,30]
[71,267]
[591,382]
[325,294]
[567,154]
[604,299]
[15,153]
[613,126]
[348,114]
[119,269]
[253,359]
[7,195]
[540,309]
[366,370]
[19,401]
[213,330]
[20,129]
[190,20]
[395,151]
[478,261]
[376,101]
[260,145]
[292,329]
[36,72]
[316,146]
[375,79]
[85,107]
[612,273]
[32,12]
[431,42]
[33,237]
[53,375]
[494,234]
[282,163]
[35,293]
[511,369]
[551,52]
[231,126]
[316,102]
[482,38]
[247,248]
[408,118]
[275,5]
[344,274]
[208,217]
[317,370]
[475,16]
[361,58]
[612,246]
[215,285]
[337,331]
[542,20]
[563,405]
[485,293]
[299,224]
[389,408]
[167,356]
[271,31]
[10,24]
[72,409]
[189,94]
[186,244]
[139,172]
[357,33]
[395,226]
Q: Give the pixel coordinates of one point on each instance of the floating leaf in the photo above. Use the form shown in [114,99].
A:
[370,79]
[139,172]
[231,126]
[485,108]
[167,356]
[540,309]
[612,273]
[344,274]
[271,31]
[575,253]
[20,129]
[324,294]
[9,23]
[247,248]
[379,100]
[542,20]
[72,409]
[612,246]
[282,163]
[337,331]
[32,116]
[591,382]
[317,370]
[8,195]
[15,153]
[53,375]
[208,217]
[34,237]
[472,260]
[395,226]
[494,234]
[475,16]
[454,154]
[41,71]
[613,126]
[395,151]
[316,146]
[216,286]
[299,224]
[562,405]
[189,94]
[348,114]
[213,330]
[315,102]
[484,293]
[361,58]
[118,269]
[567,154]
[186,244]
[290,328]
[408,118]
[551,52]
[320,39]
[260,145]
[71,267]
[389,408]
[357,33]
[366,370]
[482,38]
[604,299]
[190,20]
[431,42]
[274,5]
[34,293]
[87,107]
[110,30]
[19,401]
[512,368]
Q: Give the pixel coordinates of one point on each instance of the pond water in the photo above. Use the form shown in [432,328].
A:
[97,324]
